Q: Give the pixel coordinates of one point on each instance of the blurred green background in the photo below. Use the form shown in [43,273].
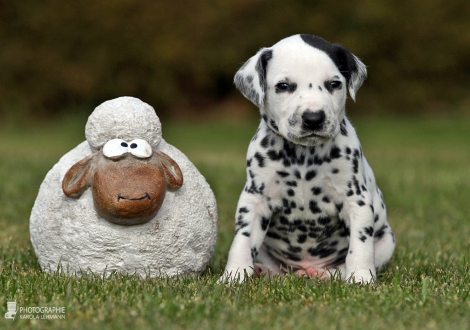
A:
[180,56]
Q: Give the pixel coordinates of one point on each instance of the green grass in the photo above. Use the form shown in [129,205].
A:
[421,165]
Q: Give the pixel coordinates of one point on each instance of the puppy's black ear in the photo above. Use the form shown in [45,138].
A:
[355,72]
[250,79]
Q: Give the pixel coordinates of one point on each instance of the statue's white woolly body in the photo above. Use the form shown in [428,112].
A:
[179,240]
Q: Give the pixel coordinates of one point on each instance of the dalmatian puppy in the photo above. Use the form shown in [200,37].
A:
[310,205]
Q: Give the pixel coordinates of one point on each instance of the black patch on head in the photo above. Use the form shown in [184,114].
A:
[291,183]
[342,58]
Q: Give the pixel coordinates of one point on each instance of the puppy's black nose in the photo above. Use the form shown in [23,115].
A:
[313,120]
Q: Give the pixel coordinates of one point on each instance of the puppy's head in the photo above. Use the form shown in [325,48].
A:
[300,86]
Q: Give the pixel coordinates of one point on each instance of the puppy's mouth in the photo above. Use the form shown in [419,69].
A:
[313,135]
[133,199]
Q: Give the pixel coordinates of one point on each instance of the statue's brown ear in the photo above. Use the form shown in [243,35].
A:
[78,178]
[173,175]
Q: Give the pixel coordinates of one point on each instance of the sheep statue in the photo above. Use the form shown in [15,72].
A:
[124,201]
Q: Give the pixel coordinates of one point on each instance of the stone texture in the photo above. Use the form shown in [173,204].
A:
[180,239]
[123,118]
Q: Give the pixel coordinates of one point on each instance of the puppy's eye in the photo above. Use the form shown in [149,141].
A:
[140,148]
[115,148]
[335,84]
[285,87]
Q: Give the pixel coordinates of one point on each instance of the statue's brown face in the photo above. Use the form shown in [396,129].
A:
[128,186]
[128,194]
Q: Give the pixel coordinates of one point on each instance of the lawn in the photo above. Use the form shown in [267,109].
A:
[421,165]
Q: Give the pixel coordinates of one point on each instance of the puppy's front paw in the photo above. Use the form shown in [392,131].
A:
[237,275]
[364,276]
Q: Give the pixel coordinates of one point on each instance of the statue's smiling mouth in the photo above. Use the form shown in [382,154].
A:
[133,199]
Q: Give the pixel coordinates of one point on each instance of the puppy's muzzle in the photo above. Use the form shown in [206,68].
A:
[313,121]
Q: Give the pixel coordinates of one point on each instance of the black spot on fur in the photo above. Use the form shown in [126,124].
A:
[243,210]
[344,131]
[301,238]
[376,218]
[265,142]
[313,206]
[369,231]
[380,233]
[322,250]
[310,175]
[294,249]
[297,174]
[283,174]
[335,152]
[291,183]
[316,190]
[260,159]
[273,235]
[264,223]
[339,207]
[324,220]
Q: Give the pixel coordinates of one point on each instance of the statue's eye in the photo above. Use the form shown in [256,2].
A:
[115,148]
[140,148]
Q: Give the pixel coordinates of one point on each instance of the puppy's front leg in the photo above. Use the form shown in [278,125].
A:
[360,265]
[252,221]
